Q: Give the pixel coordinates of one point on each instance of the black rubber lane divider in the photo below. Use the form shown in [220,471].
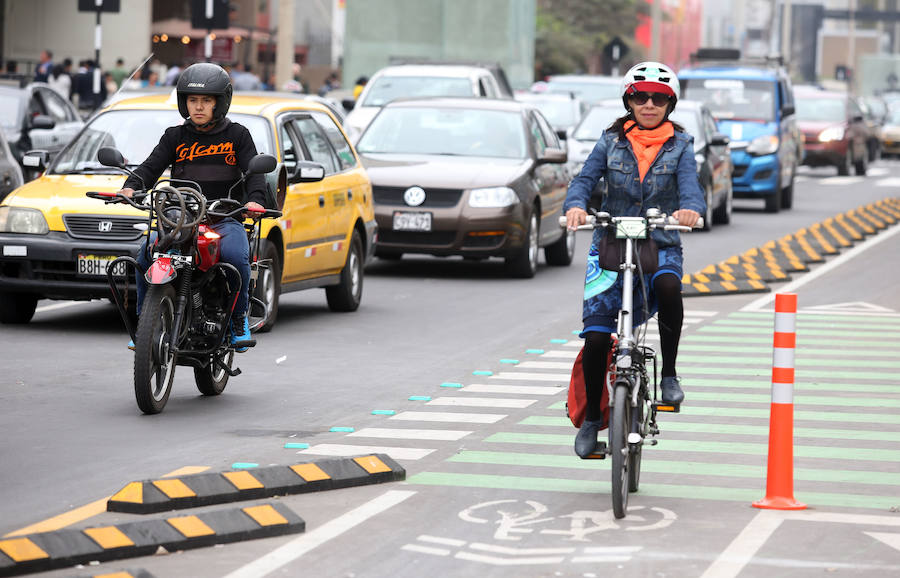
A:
[150,496]
[776,260]
[60,548]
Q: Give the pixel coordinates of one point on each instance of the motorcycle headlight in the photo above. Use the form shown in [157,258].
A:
[492,197]
[763,145]
[22,220]
[832,133]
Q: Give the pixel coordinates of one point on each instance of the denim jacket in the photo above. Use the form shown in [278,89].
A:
[671,182]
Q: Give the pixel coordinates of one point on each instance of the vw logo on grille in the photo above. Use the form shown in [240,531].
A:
[414,196]
[104,226]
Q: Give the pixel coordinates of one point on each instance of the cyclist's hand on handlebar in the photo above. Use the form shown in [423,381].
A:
[254,209]
[574,217]
[126,192]
[686,217]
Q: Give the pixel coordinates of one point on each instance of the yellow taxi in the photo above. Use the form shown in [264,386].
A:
[55,242]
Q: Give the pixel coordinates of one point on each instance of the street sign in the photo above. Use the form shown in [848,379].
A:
[615,49]
[210,14]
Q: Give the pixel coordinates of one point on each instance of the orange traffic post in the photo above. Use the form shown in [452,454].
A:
[780,476]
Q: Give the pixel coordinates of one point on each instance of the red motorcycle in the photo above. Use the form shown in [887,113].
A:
[186,313]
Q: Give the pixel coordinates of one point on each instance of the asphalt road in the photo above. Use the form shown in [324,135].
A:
[500,498]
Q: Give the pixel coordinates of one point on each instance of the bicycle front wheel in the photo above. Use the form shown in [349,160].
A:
[620,425]
[634,456]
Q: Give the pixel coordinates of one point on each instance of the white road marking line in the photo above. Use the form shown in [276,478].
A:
[509,561]
[449,416]
[699,313]
[416,434]
[889,182]
[523,376]
[425,550]
[545,365]
[848,180]
[482,402]
[63,305]
[300,545]
[791,287]
[514,389]
[439,540]
[892,540]
[559,353]
[877,171]
[344,450]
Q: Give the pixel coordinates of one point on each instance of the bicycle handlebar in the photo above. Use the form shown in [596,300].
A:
[666,223]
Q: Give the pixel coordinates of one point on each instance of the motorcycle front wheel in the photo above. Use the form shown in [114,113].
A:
[154,350]
[212,379]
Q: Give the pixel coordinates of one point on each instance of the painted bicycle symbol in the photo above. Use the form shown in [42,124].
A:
[514,518]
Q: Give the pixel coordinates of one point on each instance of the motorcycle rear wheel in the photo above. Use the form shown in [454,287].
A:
[212,379]
[154,356]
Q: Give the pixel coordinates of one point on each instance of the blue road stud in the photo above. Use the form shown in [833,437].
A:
[451,384]
[383,412]
[510,361]
[482,372]
[559,341]
[340,428]
[244,465]
[420,398]
[296,446]
[535,351]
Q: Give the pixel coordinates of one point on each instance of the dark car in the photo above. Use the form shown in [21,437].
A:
[714,165]
[10,172]
[472,177]
[36,117]
[834,129]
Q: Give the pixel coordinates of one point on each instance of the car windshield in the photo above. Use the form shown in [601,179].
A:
[134,133]
[387,88]
[588,90]
[894,116]
[446,131]
[818,109]
[559,112]
[596,121]
[9,110]
[733,99]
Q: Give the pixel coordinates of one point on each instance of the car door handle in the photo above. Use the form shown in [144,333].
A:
[321,200]
[349,194]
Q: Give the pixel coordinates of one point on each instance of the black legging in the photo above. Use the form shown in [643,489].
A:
[596,345]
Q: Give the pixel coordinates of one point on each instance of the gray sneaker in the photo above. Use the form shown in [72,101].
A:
[671,390]
[586,438]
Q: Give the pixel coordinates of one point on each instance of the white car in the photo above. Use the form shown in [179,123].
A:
[416,81]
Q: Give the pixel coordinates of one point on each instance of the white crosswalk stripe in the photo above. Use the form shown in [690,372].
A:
[545,365]
[343,450]
[513,389]
[415,434]
[492,402]
[531,376]
[449,417]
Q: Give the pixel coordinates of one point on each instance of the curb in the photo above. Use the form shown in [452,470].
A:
[776,260]
[150,496]
[60,548]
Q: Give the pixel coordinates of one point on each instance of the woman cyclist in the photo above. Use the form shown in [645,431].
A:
[647,162]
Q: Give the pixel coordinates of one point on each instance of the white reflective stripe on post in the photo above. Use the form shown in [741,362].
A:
[785,322]
[783,357]
[783,393]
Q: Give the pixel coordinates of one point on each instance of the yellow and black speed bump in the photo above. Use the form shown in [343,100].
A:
[775,261]
[48,550]
[161,495]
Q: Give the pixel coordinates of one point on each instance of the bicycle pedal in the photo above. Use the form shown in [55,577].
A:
[243,344]
[668,407]
[599,452]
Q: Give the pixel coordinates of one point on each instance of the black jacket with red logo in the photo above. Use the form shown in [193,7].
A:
[214,159]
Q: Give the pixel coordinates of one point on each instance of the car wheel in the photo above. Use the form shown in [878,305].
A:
[844,167]
[722,213]
[346,295]
[523,263]
[773,201]
[561,253]
[267,290]
[17,308]
[787,195]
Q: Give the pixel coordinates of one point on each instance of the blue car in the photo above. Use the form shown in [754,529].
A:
[754,106]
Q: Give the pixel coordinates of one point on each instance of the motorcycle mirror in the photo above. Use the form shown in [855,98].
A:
[110,157]
[262,164]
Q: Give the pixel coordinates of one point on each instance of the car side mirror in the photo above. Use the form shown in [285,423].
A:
[858,118]
[719,139]
[553,155]
[110,157]
[562,134]
[308,172]
[262,164]
[788,110]
[42,121]
[348,104]
[36,159]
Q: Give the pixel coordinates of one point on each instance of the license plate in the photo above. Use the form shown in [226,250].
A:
[412,221]
[95,265]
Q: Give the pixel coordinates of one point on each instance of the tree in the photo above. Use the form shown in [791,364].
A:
[571,34]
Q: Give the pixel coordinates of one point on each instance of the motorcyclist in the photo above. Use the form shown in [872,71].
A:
[648,162]
[214,152]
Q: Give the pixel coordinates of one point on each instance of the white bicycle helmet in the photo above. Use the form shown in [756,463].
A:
[651,77]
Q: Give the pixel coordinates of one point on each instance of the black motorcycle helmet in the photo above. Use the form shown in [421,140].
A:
[205,78]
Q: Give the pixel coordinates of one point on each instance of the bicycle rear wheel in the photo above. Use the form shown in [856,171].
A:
[619,426]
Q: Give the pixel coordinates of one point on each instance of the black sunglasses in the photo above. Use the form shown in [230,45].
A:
[658,98]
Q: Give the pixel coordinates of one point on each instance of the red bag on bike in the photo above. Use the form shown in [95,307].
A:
[576,404]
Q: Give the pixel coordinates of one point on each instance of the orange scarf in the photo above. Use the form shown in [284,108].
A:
[646,143]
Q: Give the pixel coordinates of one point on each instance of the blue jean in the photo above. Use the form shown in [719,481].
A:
[234,249]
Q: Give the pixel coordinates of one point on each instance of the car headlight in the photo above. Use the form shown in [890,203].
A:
[492,197]
[832,133]
[763,145]
[22,220]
